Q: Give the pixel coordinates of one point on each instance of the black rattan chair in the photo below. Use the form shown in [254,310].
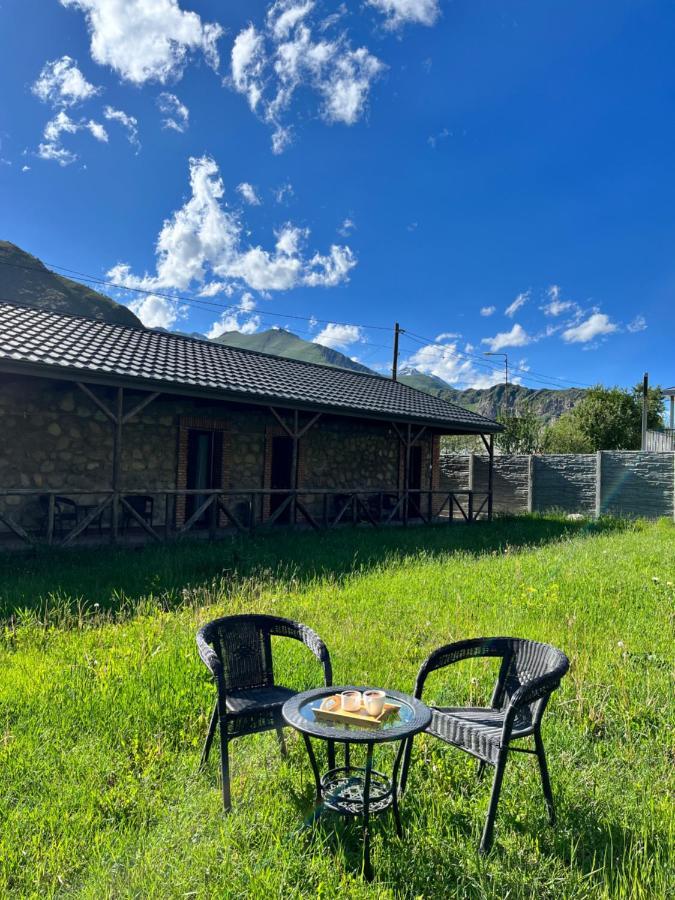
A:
[528,674]
[237,650]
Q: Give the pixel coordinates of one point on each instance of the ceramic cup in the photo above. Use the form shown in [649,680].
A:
[374,701]
[351,701]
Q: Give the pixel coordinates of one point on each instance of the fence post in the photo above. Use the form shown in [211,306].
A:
[598,484]
[530,483]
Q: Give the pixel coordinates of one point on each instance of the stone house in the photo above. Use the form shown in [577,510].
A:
[108,429]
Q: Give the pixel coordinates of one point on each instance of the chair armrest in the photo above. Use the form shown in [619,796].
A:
[209,655]
[525,695]
[456,652]
[311,639]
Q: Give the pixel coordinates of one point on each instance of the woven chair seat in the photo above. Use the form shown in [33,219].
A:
[476,729]
[257,699]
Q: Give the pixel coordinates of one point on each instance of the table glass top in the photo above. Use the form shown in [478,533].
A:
[404,714]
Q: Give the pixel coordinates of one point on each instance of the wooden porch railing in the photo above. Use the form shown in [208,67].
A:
[242,510]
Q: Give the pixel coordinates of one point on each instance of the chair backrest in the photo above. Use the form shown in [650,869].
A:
[525,662]
[244,646]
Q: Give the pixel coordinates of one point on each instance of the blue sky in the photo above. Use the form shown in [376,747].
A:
[493,175]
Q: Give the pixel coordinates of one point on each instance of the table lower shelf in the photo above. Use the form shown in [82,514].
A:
[343,790]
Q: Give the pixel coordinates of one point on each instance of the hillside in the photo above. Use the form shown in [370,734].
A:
[279,342]
[25,279]
[546,403]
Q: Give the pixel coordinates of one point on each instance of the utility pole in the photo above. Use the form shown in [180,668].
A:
[645,408]
[394,369]
[506,373]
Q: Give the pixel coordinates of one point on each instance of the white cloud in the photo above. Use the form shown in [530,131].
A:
[488,310]
[249,194]
[61,84]
[520,301]
[450,365]
[434,139]
[347,227]
[639,323]
[594,326]
[556,306]
[447,336]
[176,114]
[204,239]
[147,40]
[158,312]
[269,65]
[402,12]
[236,320]
[130,123]
[25,168]
[51,148]
[516,337]
[339,337]
[283,193]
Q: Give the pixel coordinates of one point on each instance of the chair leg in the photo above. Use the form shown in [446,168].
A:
[545,779]
[488,831]
[480,770]
[209,738]
[225,765]
[282,742]
[406,765]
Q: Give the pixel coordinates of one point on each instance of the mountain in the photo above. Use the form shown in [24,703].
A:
[25,279]
[547,403]
[279,342]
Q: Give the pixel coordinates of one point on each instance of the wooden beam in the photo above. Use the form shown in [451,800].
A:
[101,405]
[491,461]
[197,514]
[312,421]
[139,518]
[281,422]
[86,522]
[117,464]
[50,518]
[16,528]
[231,516]
[307,514]
[140,406]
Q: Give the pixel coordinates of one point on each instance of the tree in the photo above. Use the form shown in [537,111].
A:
[522,433]
[605,419]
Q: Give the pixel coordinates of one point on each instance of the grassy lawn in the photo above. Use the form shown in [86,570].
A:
[104,705]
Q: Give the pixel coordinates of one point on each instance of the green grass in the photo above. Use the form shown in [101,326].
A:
[104,704]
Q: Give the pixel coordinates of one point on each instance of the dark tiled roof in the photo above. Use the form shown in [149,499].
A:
[73,345]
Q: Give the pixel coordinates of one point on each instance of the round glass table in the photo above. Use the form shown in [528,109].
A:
[357,790]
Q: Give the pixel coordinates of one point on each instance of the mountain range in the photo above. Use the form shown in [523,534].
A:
[25,279]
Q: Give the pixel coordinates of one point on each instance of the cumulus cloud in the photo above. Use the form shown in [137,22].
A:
[61,84]
[596,325]
[448,363]
[268,66]
[248,193]
[639,323]
[203,243]
[347,227]
[339,337]
[516,337]
[404,12]
[176,114]
[51,148]
[238,319]
[519,302]
[129,123]
[147,40]
[488,310]
[158,312]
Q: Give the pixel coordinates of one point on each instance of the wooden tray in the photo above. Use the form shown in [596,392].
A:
[353,718]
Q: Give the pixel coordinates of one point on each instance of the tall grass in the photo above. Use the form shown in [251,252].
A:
[104,704]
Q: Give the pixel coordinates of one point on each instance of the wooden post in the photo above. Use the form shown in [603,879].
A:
[117,465]
[294,467]
[50,519]
[491,456]
[672,413]
[530,483]
[598,484]
[406,476]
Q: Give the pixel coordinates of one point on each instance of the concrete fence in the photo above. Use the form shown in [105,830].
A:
[611,482]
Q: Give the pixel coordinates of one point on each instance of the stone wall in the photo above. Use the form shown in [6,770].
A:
[55,437]
[623,483]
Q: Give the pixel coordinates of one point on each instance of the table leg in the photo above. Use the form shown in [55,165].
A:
[346,756]
[315,768]
[395,786]
[367,868]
